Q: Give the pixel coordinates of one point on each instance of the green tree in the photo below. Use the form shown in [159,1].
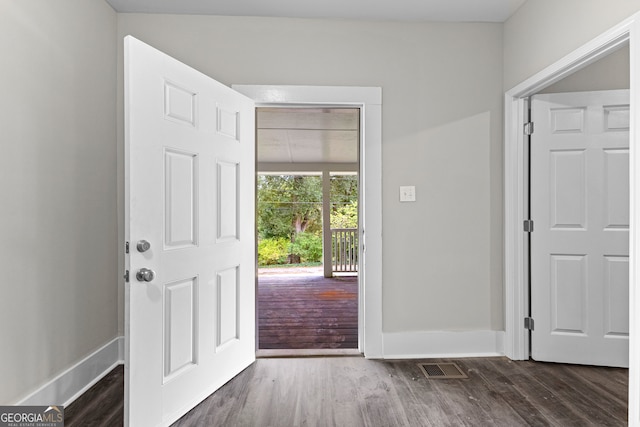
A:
[345,216]
[344,201]
[288,205]
[307,246]
[344,189]
[273,251]
[290,209]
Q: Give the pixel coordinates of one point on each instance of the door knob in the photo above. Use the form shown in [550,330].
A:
[143,246]
[145,275]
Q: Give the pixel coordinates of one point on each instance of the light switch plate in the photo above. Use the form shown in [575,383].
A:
[407,193]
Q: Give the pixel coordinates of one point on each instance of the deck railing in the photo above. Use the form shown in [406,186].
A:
[344,250]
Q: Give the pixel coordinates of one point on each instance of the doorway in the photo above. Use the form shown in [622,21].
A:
[307,227]
[516,178]
[516,344]
[369,101]
[579,213]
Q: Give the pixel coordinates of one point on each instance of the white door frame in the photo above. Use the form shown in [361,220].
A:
[369,100]
[516,344]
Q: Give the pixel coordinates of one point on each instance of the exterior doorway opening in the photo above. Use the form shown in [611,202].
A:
[307,228]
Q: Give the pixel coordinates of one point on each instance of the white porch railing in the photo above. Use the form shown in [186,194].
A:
[344,250]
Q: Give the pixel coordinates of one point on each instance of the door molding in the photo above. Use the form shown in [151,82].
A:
[369,100]
[516,300]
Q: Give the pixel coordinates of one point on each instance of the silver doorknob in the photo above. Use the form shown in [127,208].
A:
[145,275]
[143,246]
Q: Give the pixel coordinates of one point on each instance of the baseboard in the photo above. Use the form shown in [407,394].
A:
[436,344]
[70,384]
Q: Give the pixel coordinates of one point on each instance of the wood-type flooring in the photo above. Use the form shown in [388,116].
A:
[307,312]
[353,391]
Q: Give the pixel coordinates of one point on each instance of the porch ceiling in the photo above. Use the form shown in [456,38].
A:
[307,135]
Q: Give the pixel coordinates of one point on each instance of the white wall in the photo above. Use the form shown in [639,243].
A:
[609,73]
[442,121]
[58,188]
[543,31]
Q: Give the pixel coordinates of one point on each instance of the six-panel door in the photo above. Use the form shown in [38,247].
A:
[580,242]
[190,165]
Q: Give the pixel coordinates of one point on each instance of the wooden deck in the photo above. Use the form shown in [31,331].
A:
[307,312]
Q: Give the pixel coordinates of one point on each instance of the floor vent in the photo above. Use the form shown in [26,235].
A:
[441,371]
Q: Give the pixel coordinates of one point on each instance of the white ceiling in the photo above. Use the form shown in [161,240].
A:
[308,135]
[378,10]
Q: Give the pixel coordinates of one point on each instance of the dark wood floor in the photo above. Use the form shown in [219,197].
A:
[307,312]
[353,391]
[101,405]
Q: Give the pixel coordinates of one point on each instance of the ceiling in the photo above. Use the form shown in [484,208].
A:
[307,135]
[377,10]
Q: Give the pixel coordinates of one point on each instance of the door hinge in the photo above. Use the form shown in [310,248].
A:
[528,323]
[126,276]
[528,128]
[126,247]
[528,225]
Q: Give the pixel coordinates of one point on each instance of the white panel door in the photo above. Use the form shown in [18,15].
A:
[190,165]
[580,242]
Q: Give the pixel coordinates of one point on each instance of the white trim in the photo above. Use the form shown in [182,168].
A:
[428,344]
[369,99]
[516,345]
[73,382]
[634,235]
[304,95]
[515,263]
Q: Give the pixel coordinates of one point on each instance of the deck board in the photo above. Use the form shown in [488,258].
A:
[307,312]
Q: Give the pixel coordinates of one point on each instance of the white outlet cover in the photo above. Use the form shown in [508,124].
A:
[407,193]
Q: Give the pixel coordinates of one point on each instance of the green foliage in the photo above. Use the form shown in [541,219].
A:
[289,215]
[288,204]
[308,247]
[344,201]
[302,264]
[273,251]
[345,216]
[344,189]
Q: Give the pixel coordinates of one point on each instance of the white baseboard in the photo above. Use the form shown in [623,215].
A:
[436,344]
[70,384]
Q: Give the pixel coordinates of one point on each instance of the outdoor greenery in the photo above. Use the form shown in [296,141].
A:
[273,250]
[345,216]
[290,215]
[307,246]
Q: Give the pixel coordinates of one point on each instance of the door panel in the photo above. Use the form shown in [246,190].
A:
[580,242]
[180,318]
[181,181]
[227,203]
[227,306]
[616,182]
[190,160]
[568,192]
[568,290]
[616,296]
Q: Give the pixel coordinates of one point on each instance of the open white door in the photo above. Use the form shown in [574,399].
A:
[190,171]
[580,241]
